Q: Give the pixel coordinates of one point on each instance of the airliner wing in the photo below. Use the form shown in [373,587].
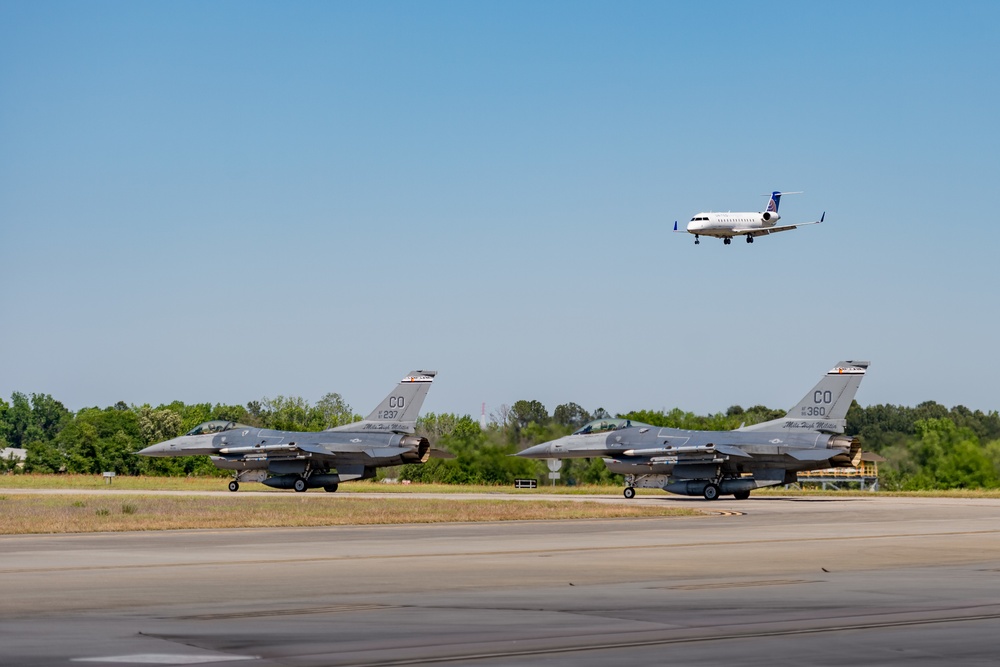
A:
[757,231]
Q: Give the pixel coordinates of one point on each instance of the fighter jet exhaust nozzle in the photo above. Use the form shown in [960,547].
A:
[420,449]
[850,455]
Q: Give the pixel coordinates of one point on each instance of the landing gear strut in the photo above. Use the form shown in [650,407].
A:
[696,241]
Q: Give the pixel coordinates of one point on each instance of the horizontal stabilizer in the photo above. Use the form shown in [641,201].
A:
[441,454]
[732,450]
[812,454]
[315,449]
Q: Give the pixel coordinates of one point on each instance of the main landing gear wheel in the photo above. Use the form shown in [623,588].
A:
[711,492]
[629,492]
[749,239]
[727,241]
[234,486]
[300,485]
[330,488]
[741,495]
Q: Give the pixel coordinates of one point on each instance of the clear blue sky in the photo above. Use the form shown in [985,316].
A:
[228,200]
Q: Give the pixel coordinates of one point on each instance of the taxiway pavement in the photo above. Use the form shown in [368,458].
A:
[770,581]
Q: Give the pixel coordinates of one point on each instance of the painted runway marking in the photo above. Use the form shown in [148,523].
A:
[166,659]
[333,609]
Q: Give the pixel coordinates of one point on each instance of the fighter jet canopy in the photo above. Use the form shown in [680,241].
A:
[605,425]
[215,426]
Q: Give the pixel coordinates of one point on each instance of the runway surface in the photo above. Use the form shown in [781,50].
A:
[770,581]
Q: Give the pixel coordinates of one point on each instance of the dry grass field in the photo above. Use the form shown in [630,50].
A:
[68,513]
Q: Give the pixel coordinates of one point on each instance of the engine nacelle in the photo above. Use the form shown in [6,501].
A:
[770,217]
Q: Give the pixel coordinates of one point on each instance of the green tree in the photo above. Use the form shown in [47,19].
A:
[950,457]
[158,425]
[526,412]
[570,415]
[333,411]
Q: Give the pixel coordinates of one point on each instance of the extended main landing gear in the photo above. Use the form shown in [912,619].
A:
[711,492]
[727,241]
[629,492]
[330,488]
[234,486]
[300,485]
[749,239]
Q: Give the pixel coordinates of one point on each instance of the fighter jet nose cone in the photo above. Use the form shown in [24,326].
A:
[159,449]
[537,452]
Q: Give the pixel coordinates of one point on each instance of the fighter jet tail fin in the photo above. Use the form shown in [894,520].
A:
[398,412]
[824,409]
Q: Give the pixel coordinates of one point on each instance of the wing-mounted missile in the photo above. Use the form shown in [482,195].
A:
[257,449]
[696,450]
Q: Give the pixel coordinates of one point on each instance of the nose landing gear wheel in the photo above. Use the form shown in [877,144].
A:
[300,485]
[629,492]
[330,488]
[711,492]
[234,486]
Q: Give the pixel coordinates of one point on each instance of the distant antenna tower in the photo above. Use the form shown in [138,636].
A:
[482,418]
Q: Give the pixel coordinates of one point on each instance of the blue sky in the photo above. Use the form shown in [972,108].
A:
[229,200]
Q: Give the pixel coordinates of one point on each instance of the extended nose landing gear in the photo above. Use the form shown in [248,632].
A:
[696,241]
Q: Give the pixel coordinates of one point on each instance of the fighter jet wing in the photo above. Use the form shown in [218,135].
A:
[732,450]
[757,231]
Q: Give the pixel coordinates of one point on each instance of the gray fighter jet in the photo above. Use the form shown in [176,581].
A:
[301,461]
[714,463]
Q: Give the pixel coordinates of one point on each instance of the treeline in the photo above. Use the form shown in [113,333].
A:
[95,440]
[926,447]
[930,446]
